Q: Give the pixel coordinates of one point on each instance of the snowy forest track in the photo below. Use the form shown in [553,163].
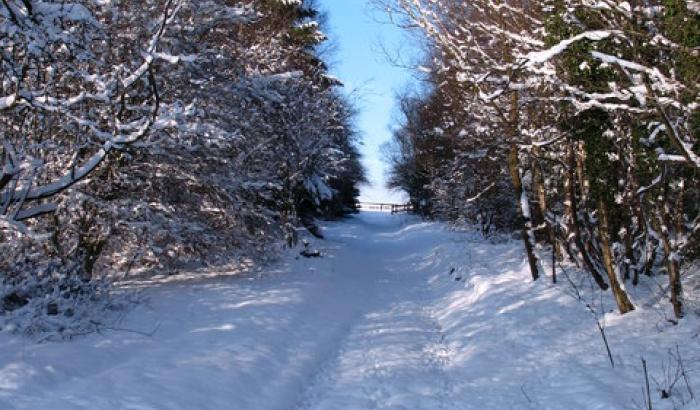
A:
[394,355]
[257,343]
[396,314]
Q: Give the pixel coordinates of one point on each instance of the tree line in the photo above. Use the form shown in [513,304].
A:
[160,135]
[576,122]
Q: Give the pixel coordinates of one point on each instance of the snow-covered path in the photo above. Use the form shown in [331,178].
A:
[397,314]
[308,336]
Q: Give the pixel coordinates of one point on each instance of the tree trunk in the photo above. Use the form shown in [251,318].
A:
[572,212]
[651,257]
[521,199]
[629,253]
[634,204]
[584,189]
[621,298]
[538,181]
[679,206]
[671,255]
[674,275]
[522,203]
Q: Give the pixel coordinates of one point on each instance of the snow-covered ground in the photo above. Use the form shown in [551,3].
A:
[396,314]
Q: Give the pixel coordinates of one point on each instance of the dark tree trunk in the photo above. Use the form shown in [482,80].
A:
[574,228]
[623,302]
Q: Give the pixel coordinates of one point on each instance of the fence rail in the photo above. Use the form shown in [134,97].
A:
[382,206]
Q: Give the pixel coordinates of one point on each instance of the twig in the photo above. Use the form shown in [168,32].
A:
[522,389]
[138,332]
[646,383]
[605,338]
[684,373]
[601,328]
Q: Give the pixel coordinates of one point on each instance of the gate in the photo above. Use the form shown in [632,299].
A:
[386,207]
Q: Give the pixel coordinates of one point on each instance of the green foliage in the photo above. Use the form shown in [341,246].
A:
[683,28]
[681,25]
[306,35]
[576,63]
[592,128]
[694,126]
[647,162]
[290,16]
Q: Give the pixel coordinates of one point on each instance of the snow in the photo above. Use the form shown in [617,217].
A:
[318,187]
[396,314]
[546,55]
[607,58]
[7,102]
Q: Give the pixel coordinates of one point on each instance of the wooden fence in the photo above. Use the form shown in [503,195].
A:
[382,207]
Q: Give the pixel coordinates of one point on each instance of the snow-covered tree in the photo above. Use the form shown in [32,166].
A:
[591,108]
[164,135]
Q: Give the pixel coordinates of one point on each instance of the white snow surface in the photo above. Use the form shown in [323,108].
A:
[380,321]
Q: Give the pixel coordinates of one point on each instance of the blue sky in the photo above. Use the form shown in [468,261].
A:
[357,61]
